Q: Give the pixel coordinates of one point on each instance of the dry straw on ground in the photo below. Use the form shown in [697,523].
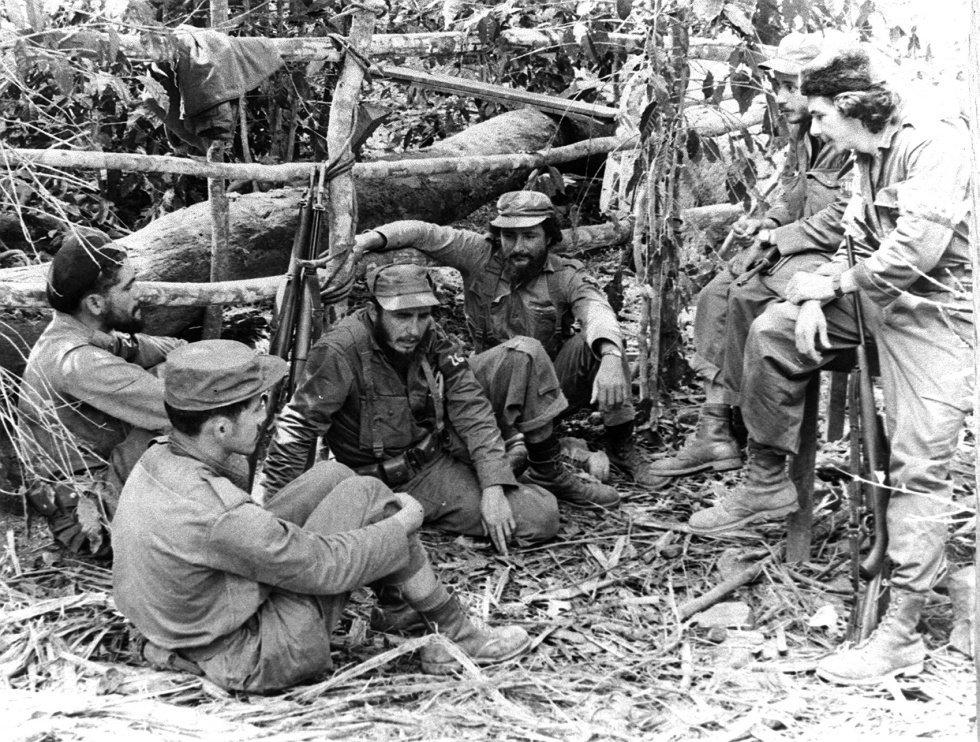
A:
[614,657]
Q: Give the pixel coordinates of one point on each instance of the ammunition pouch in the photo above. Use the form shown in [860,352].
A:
[400,469]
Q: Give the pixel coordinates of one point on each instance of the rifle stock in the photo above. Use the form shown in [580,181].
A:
[871,472]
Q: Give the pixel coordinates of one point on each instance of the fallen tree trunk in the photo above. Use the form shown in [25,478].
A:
[176,246]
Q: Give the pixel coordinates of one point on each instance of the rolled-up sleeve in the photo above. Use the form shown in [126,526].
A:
[591,308]
[461,249]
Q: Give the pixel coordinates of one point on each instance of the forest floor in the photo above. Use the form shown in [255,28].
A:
[614,655]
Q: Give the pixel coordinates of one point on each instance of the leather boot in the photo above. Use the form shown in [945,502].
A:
[516,451]
[711,446]
[392,614]
[894,648]
[546,469]
[575,452]
[766,494]
[483,645]
[627,459]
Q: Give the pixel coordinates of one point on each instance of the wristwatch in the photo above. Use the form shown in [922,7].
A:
[764,236]
[835,285]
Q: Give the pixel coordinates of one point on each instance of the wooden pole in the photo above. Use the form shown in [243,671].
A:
[218,198]
[973,111]
[342,209]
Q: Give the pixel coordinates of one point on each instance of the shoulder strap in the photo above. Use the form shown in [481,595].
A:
[369,415]
[436,390]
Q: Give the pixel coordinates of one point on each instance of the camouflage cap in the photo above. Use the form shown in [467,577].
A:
[214,373]
[402,286]
[522,209]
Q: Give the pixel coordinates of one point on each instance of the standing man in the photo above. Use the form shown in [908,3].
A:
[514,285]
[90,402]
[913,280]
[803,225]
[246,595]
[392,398]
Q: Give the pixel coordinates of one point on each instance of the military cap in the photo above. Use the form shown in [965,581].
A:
[519,209]
[795,51]
[402,286]
[77,266]
[214,373]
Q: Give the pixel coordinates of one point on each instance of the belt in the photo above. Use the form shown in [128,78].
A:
[400,469]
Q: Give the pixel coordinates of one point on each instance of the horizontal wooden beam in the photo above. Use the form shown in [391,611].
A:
[31,294]
[499,94]
[300,171]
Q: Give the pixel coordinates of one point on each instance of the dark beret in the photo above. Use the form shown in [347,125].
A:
[76,269]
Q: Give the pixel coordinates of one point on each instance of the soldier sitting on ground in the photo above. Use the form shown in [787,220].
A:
[90,401]
[516,286]
[249,595]
[393,398]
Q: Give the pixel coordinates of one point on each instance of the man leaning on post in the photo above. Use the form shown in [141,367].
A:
[516,286]
[249,595]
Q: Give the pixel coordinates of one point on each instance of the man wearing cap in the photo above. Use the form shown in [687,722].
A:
[90,401]
[908,217]
[516,286]
[393,398]
[803,225]
[249,595]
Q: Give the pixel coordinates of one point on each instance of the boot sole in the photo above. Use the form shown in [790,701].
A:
[715,466]
[452,666]
[910,670]
[765,515]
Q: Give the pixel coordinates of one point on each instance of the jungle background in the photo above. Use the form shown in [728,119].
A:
[616,655]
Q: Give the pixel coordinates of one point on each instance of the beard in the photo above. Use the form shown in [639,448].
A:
[524,271]
[125,322]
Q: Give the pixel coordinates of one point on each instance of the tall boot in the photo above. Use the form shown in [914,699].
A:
[392,614]
[626,457]
[711,447]
[767,493]
[483,645]
[546,469]
[894,648]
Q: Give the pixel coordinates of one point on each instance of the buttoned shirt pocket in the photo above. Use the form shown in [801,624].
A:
[822,189]
[389,417]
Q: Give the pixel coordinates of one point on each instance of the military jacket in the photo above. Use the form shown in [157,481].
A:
[93,386]
[909,208]
[545,308]
[353,396]
[195,557]
[813,198]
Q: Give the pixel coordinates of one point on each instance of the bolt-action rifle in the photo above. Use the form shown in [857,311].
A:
[298,321]
[868,492]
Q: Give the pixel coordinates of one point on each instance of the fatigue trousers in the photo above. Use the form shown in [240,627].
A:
[725,313]
[926,359]
[576,366]
[288,639]
[519,380]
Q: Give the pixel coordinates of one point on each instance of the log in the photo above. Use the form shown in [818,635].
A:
[176,246]
[25,289]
